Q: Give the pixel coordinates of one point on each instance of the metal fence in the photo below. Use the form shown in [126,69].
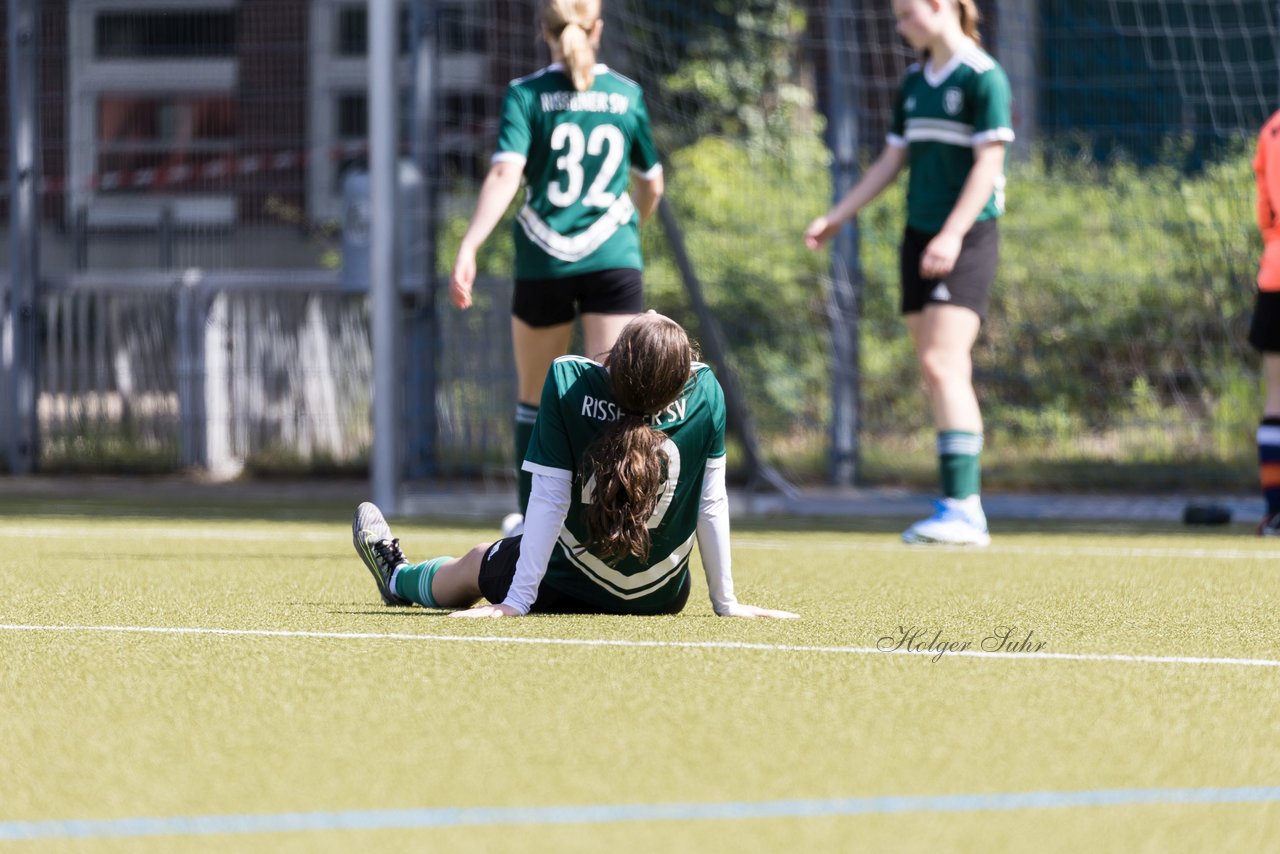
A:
[183,194]
[223,372]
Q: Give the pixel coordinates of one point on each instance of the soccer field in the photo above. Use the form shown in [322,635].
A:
[216,678]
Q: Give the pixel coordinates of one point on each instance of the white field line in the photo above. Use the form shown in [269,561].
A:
[341,535]
[156,532]
[1007,549]
[586,814]
[607,642]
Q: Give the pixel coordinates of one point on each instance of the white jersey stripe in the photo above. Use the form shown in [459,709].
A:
[582,244]
[935,135]
[617,583]
[940,125]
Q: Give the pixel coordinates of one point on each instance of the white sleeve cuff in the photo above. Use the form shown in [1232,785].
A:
[507,157]
[537,468]
[993,135]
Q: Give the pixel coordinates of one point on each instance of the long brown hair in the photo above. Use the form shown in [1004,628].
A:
[969,19]
[648,368]
[567,25]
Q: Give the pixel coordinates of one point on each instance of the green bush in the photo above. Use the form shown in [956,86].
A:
[1118,321]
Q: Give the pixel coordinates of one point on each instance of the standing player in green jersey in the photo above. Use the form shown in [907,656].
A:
[574,132]
[950,126]
[627,459]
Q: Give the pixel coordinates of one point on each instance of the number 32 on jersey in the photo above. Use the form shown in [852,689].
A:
[569,138]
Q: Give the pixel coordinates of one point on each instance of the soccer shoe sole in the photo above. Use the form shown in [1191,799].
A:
[370,526]
[914,538]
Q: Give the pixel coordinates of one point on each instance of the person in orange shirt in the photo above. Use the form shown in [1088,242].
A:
[1264,330]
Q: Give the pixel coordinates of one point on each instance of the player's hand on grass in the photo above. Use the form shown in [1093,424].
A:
[819,232]
[487,611]
[737,609]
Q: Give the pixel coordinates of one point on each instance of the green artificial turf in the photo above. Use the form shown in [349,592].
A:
[428,712]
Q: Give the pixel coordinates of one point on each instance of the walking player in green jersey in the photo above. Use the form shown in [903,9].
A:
[627,459]
[951,125]
[574,131]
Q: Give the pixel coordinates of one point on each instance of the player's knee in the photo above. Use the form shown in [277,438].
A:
[943,367]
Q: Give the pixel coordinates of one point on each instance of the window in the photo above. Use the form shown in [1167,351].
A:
[164,35]
[463,29]
[353,31]
[339,121]
[171,136]
[153,110]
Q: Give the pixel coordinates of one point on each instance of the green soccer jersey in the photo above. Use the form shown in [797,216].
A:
[941,116]
[577,406]
[578,150]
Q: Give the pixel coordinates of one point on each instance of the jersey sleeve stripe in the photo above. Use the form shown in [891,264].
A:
[895,141]
[601,68]
[717,462]
[555,66]
[654,172]
[508,157]
[547,471]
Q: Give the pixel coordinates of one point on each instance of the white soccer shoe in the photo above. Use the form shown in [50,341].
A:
[955,522]
[512,525]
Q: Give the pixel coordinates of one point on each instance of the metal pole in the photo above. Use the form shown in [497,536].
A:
[19,350]
[1017,38]
[717,349]
[423,344]
[846,266]
[384,105]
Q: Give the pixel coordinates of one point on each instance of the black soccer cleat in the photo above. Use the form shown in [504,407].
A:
[378,549]
[1269,526]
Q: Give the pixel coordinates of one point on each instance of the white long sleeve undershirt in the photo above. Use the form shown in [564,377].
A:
[548,507]
[713,538]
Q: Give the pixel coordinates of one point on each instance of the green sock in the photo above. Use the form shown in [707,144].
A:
[413,582]
[959,463]
[526,416]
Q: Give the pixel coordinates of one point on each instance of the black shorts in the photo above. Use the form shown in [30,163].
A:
[1264,329]
[968,285]
[498,568]
[551,302]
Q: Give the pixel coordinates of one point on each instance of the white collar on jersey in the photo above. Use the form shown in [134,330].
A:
[598,68]
[935,76]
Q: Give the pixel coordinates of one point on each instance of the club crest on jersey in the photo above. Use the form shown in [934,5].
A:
[952,101]
[910,103]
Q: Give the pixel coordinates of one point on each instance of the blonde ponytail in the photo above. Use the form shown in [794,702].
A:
[579,56]
[567,25]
